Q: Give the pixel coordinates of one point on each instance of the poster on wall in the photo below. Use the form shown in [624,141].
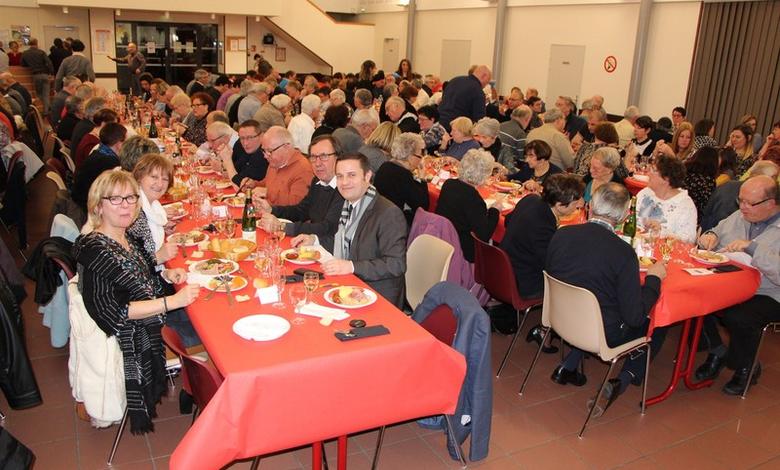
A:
[281,54]
[21,34]
[101,42]
[189,47]
[151,46]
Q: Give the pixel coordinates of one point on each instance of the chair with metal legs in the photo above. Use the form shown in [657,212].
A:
[574,313]
[493,269]
[774,326]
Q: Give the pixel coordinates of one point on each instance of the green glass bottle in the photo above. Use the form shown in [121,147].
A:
[248,219]
[152,128]
[629,226]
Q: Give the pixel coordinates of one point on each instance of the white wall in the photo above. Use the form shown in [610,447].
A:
[298,58]
[240,7]
[235,61]
[38,17]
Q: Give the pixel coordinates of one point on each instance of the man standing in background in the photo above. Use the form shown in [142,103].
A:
[41,68]
[136,63]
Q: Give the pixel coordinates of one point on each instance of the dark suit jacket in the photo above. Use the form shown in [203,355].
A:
[529,229]
[722,204]
[318,212]
[462,97]
[378,250]
[397,184]
[591,256]
[462,204]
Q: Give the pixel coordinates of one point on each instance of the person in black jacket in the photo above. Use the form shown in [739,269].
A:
[396,180]
[319,211]
[461,203]
[463,96]
[593,257]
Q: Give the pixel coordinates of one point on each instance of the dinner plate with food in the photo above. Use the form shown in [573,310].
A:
[190,238]
[302,255]
[350,297]
[223,184]
[205,170]
[711,258]
[175,211]
[235,201]
[507,186]
[645,262]
[214,267]
[219,283]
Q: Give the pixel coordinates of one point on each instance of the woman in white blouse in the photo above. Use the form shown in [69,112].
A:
[663,204]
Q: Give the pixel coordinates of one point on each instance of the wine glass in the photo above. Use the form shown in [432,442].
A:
[666,248]
[263,262]
[280,280]
[297,295]
[311,280]
[279,230]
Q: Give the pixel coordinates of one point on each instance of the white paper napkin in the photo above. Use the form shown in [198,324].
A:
[199,279]
[321,311]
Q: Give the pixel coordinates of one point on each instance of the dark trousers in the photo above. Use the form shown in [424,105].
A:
[635,362]
[745,322]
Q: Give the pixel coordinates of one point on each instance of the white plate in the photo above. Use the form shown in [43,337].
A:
[301,262]
[643,269]
[215,285]
[369,293]
[261,327]
[234,201]
[223,184]
[722,259]
[233,267]
[205,170]
[171,238]
[181,212]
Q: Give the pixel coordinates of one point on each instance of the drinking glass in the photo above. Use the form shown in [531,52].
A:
[279,230]
[280,280]
[311,281]
[667,246]
[297,295]
[263,262]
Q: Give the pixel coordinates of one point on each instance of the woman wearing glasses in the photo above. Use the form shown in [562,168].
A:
[193,127]
[122,291]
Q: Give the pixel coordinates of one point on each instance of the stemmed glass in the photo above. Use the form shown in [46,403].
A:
[297,294]
[311,280]
[280,280]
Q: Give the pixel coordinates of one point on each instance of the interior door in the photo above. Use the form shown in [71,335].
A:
[390,55]
[565,73]
[455,58]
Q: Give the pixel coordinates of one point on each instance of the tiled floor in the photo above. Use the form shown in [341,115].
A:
[693,429]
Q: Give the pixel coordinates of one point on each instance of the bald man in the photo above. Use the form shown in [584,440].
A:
[463,96]
[752,232]
[136,63]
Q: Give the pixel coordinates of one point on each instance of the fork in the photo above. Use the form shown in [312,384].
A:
[211,294]
[228,279]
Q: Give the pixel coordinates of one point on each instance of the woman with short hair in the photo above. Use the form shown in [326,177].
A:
[461,138]
[604,134]
[664,204]
[603,164]
[537,167]
[396,178]
[193,126]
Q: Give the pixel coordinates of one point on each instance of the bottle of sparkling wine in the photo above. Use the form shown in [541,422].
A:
[152,128]
[629,227]
[248,219]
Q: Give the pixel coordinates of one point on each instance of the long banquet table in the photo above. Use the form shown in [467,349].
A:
[308,386]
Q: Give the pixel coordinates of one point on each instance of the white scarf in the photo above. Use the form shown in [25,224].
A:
[156,218]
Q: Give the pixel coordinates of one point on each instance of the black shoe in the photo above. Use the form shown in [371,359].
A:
[738,383]
[536,334]
[185,402]
[711,368]
[563,376]
[612,390]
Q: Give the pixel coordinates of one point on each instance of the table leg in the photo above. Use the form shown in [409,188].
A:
[691,366]
[316,456]
[342,453]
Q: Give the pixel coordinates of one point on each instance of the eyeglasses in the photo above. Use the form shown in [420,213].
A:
[248,137]
[320,156]
[269,152]
[199,104]
[741,202]
[117,200]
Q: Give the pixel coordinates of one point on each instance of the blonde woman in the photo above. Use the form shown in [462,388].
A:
[123,293]
[378,145]
[741,141]
[462,138]
[682,143]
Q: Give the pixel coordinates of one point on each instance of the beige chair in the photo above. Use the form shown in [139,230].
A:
[56,178]
[65,152]
[49,142]
[574,313]
[427,263]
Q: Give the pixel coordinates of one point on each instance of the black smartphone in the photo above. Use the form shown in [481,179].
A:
[301,271]
[726,268]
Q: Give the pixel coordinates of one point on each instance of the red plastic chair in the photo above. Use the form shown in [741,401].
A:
[493,269]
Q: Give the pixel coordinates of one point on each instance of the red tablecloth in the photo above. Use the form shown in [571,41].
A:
[308,386]
[634,185]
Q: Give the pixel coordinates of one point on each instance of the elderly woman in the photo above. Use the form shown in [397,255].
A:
[432,132]
[604,134]
[181,107]
[133,149]
[336,117]
[700,173]
[193,126]
[537,166]
[682,143]
[741,140]
[397,113]
[486,133]
[377,147]
[663,204]
[462,138]
[276,112]
[603,164]
[461,203]
[123,293]
[396,178]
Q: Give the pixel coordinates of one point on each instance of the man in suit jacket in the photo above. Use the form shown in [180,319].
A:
[370,240]
[464,97]
[319,211]
[593,257]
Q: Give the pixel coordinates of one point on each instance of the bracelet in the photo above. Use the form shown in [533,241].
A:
[165,304]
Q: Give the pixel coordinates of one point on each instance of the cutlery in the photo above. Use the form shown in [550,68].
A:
[211,294]
[228,279]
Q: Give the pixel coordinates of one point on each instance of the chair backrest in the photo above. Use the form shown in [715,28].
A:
[427,262]
[56,166]
[54,176]
[574,313]
[49,142]
[442,324]
[204,380]
[493,269]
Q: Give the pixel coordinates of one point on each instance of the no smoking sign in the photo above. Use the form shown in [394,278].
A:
[610,64]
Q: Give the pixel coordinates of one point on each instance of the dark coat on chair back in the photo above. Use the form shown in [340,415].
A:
[472,339]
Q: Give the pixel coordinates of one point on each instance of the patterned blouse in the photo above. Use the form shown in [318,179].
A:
[677,215]
[196,129]
[700,188]
[745,164]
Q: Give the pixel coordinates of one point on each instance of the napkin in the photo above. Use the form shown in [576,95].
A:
[321,311]
[199,279]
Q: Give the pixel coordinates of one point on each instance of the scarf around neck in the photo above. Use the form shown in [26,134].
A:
[156,219]
[349,221]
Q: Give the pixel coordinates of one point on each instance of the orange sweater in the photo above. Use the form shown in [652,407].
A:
[288,185]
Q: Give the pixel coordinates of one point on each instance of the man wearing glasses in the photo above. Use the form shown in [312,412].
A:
[753,232]
[289,173]
[245,164]
[318,213]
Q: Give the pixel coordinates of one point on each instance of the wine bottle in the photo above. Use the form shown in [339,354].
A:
[152,128]
[629,227]
[248,219]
